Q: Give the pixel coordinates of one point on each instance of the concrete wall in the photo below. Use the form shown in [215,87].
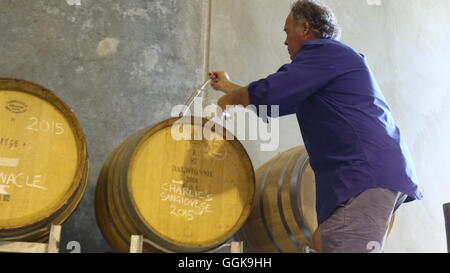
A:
[120,65]
[405,42]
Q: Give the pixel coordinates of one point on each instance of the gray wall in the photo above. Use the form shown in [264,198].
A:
[406,43]
[120,65]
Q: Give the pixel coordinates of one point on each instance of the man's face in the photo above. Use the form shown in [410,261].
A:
[296,35]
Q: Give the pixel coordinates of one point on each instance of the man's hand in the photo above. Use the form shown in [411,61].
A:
[223,103]
[236,97]
[221,82]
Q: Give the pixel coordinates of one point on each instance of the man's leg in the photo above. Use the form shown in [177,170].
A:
[360,225]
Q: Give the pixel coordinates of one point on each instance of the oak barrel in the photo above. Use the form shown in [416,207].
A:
[43,161]
[284,217]
[182,195]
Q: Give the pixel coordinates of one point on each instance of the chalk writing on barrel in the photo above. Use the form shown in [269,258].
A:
[186,202]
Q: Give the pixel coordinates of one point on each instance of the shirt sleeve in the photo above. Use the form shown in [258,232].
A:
[312,69]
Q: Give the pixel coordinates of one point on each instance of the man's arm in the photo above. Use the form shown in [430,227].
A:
[238,95]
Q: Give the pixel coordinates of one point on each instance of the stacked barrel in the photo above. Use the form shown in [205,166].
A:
[182,195]
[284,216]
[43,161]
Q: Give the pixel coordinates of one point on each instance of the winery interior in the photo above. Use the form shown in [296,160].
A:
[87,96]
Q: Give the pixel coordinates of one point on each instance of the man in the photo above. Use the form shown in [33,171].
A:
[363,168]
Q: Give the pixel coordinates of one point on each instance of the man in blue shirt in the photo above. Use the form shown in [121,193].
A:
[363,168]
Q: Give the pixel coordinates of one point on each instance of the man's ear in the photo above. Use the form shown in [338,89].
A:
[303,28]
[306,28]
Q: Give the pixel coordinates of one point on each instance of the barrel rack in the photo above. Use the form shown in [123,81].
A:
[25,247]
[137,242]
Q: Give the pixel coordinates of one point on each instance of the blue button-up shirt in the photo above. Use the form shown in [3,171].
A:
[347,127]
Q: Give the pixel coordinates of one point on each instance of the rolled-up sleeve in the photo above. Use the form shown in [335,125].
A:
[312,69]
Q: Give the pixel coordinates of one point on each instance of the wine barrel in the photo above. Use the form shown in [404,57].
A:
[284,217]
[43,161]
[182,195]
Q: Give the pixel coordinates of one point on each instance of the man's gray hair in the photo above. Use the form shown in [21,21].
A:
[320,17]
